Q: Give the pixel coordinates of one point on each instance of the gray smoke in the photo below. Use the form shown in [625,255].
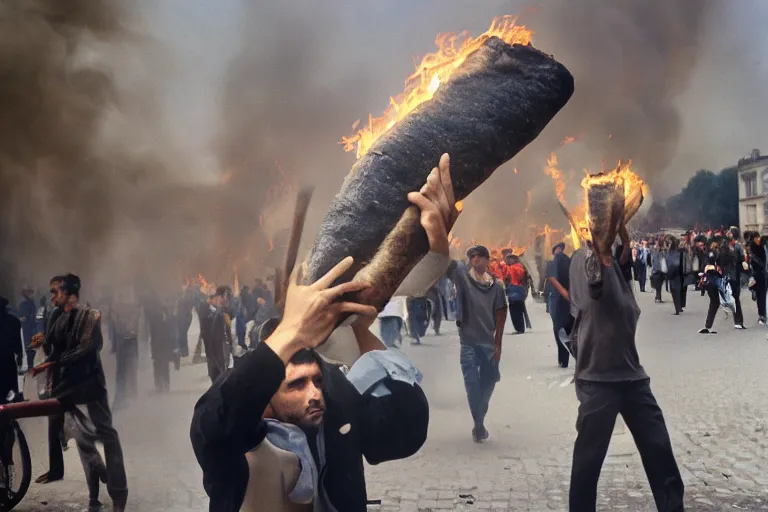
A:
[53,100]
[92,178]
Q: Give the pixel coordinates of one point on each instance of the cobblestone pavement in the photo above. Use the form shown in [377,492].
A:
[712,390]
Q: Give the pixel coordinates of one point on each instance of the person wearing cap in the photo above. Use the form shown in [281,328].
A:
[516,281]
[558,277]
[481,315]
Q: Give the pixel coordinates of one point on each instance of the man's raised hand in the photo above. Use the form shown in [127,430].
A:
[437,203]
[312,312]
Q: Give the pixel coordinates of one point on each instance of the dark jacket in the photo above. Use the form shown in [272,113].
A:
[674,269]
[227,424]
[10,353]
[78,376]
[757,260]
[28,311]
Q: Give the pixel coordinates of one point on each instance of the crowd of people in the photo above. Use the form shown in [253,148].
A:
[719,264]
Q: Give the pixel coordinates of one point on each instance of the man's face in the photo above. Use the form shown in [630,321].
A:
[645,243]
[58,297]
[700,245]
[479,264]
[299,400]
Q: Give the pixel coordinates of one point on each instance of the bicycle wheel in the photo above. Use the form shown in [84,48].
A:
[16,472]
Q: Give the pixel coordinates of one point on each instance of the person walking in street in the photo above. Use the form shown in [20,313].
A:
[757,266]
[558,279]
[391,321]
[642,263]
[482,313]
[610,380]
[710,284]
[418,319]
[733,264]
[674,275]
[517,291]
[124,319]
[77,380]
[216,332]
[438,307]
[162,339]
[658,269]
[27,316]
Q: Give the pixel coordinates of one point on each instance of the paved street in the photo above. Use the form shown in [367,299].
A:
[713,390]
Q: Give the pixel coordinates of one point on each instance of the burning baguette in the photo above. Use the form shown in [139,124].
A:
[495,103]
[605,209]
[604,193]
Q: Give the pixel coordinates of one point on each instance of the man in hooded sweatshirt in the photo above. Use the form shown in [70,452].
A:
[482,313]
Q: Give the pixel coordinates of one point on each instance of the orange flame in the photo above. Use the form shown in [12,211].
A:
[459,205]
[236,283]
[567,140]
[557,176]
[527,201]
[206,287]
[515,169]
[271,244]
[434,69]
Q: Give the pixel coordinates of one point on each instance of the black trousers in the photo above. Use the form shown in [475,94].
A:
[760,291]
[92,424]
[738,316]
[656,282]
[184,323]
[600,403]
[126,372]
[162,371]
[517,315]
[676,297]
[684,296]
[714,304]
[563,356]
[55,451]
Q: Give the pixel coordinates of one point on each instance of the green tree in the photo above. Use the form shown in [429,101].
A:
[707,200]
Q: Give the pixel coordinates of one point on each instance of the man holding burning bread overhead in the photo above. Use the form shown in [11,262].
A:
[609,377]
[287,430]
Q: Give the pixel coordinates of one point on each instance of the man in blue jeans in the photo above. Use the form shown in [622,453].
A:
[481,314]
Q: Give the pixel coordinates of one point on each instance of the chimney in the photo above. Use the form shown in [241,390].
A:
[755,154]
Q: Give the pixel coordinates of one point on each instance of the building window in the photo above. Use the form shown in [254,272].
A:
[751,214]
[750,185]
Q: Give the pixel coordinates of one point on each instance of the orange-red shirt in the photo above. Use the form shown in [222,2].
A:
[516,273]
[499,270]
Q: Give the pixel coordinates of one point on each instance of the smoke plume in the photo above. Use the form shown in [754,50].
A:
[92,178]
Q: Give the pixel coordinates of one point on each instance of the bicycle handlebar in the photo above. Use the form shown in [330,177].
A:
[29,409]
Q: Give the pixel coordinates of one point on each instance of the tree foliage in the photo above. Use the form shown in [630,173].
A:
[708,200]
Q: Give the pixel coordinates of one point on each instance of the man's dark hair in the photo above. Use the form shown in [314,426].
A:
[223,291]
[304,356]
[70,284]
[57,279]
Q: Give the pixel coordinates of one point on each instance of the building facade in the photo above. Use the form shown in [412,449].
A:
[753,189]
